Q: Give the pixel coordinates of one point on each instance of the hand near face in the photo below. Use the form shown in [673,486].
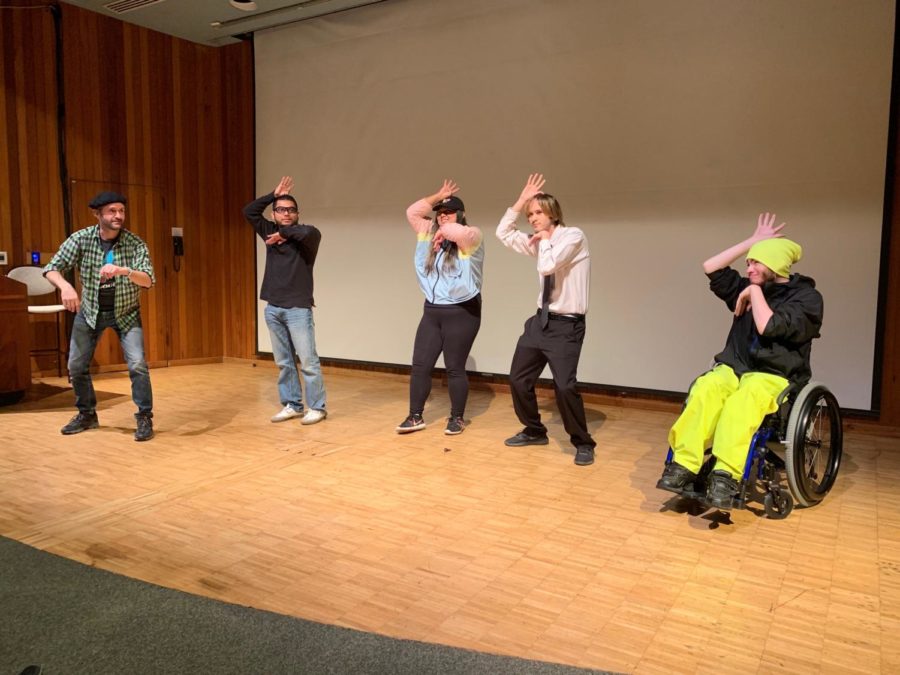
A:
[437,241]
[744,301]
[536,238]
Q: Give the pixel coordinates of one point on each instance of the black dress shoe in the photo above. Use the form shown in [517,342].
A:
[144,431]
[722,490]
[675,478]
[81,422]
[584,455]
[521,439]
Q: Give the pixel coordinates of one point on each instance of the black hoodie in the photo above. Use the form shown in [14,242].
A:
[784,346]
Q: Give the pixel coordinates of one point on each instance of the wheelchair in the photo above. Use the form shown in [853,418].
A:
[803,440]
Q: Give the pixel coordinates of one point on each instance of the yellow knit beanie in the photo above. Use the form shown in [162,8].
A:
[776,254]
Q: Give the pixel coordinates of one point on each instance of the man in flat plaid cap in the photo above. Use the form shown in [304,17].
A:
[114,265]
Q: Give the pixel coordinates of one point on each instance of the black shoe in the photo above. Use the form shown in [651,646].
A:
[675,478]
[523,438]
[412,423]
[455,425]
[144,431]
[584,455]
[81,422]
[722,490]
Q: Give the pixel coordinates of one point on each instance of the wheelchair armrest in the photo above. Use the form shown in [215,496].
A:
[791,390]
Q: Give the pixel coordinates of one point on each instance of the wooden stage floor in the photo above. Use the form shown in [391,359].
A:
[457,540]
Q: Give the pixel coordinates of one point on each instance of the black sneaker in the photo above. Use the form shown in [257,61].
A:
[144,431]
[412,423]
[81,422]
[584,455]
[675,478]
[522,438]
[455,425]
[722,490]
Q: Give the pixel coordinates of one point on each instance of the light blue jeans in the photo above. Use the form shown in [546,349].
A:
[81,353]
[293,330]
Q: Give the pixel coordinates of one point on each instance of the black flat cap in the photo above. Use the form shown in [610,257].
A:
[104,198]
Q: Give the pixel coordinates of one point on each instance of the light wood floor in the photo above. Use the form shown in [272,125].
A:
[457,540]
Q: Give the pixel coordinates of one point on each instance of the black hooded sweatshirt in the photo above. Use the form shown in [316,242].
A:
[784,346]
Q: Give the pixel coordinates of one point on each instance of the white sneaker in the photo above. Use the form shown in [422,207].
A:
[313,416]
[286,414]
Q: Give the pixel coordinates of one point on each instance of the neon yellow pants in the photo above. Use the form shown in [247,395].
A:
[723,412]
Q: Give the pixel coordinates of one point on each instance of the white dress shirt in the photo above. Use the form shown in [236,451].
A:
[565,255]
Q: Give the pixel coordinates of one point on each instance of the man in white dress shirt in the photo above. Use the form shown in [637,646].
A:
[555,333]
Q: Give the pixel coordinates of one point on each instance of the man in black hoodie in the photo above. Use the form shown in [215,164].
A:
[287,286]
[776,317]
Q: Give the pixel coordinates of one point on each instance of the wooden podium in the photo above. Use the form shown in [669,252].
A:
[15,342]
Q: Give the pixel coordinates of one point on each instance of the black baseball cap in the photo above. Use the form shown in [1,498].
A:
[449,204]
[104,198]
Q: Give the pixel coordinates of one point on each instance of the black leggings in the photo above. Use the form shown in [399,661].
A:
[450,329]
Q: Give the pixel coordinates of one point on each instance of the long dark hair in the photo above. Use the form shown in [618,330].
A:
[451,252]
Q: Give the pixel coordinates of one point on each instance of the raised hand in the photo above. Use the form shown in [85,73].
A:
[766,228]
[532,187]
[284,187]
[448,189]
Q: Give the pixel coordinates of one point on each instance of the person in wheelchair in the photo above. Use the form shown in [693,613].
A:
[776,317]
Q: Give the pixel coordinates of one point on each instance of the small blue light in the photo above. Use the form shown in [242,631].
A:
[35,257]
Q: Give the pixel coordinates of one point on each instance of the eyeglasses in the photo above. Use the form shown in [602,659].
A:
[285,209]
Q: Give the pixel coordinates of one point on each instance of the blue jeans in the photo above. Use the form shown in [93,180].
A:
[293,329]
[81,353]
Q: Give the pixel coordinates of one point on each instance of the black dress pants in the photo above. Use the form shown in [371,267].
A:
[559,345]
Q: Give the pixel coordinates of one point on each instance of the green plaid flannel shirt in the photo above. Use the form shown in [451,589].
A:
[83,250]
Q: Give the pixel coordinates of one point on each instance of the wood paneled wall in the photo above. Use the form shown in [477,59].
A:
[166,120]
[169,117]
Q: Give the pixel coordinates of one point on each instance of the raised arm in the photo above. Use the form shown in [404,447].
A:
[253,212]
[765,229]
[417,213]
[467,237]
[307,236]
[507,232]
[532,187]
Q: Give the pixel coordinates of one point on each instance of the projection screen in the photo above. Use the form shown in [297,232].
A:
[663,128]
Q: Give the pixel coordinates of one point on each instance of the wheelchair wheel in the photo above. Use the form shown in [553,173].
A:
[778,504]
[814,442]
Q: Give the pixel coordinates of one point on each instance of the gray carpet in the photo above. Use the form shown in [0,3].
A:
[71,618]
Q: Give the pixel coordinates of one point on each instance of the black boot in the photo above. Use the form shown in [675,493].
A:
[144,431]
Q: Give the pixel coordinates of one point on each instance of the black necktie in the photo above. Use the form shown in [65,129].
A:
[545,300]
